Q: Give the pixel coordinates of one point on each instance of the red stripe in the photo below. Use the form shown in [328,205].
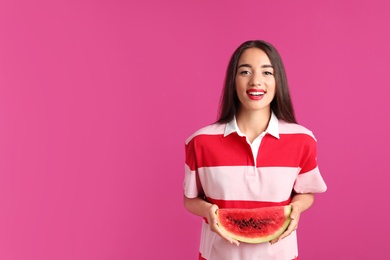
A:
[242,204]
[216,150]
[291,150]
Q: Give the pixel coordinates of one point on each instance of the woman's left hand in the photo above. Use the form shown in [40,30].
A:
[295,214]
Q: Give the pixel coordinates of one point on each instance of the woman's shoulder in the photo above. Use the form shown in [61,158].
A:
[213,129]
[293,128]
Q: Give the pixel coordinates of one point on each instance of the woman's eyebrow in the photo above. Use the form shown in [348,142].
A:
[250,66]
[244,65]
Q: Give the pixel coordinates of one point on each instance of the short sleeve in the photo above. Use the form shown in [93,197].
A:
[309,179]
[191,185]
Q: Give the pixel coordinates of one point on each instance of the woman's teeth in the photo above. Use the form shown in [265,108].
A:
[256,93]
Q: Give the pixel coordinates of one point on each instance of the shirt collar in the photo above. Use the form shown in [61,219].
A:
[272,129]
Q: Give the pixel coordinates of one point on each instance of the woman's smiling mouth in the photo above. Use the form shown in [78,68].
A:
[255,94]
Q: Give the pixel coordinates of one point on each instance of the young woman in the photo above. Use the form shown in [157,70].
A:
[255,155]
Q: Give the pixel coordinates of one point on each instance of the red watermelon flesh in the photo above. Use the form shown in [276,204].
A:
[254,225]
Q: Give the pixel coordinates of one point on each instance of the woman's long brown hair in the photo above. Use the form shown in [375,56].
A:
[281,105]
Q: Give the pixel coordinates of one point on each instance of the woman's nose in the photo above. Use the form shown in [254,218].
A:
[256,80]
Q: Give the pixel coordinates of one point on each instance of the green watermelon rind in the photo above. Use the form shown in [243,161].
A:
[260,239]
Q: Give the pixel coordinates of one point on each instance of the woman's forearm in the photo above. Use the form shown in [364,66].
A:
[197,206]
[304,201]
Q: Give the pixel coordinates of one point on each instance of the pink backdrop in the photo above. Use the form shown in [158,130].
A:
[98,97]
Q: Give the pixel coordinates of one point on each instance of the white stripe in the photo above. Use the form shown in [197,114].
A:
[272,184]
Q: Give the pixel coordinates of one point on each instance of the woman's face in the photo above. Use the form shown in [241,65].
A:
[255,81]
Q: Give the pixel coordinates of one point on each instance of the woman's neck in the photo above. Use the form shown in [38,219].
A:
[252,124]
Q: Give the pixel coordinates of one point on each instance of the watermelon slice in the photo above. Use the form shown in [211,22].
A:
[254,225]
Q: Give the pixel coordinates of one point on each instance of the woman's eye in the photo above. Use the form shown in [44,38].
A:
[244,72]
[268,73]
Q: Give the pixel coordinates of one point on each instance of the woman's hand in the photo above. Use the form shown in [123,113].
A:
[213,223]
[200,207]
[294,215]
[299,203]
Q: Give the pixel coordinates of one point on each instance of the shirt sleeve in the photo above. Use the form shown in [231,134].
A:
[309,179]
[192,186]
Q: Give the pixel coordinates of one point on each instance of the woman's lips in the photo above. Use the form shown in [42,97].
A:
[255,94]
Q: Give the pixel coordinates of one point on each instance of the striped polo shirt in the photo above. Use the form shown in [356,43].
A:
[224,167]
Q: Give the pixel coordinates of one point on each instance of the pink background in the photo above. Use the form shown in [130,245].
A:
[98,97]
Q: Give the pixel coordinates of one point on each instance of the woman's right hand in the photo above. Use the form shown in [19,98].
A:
[213,223]
[202,208]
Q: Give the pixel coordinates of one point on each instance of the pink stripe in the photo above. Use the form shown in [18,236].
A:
[310,182]
[287,128]
[260,184]
[216,129]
